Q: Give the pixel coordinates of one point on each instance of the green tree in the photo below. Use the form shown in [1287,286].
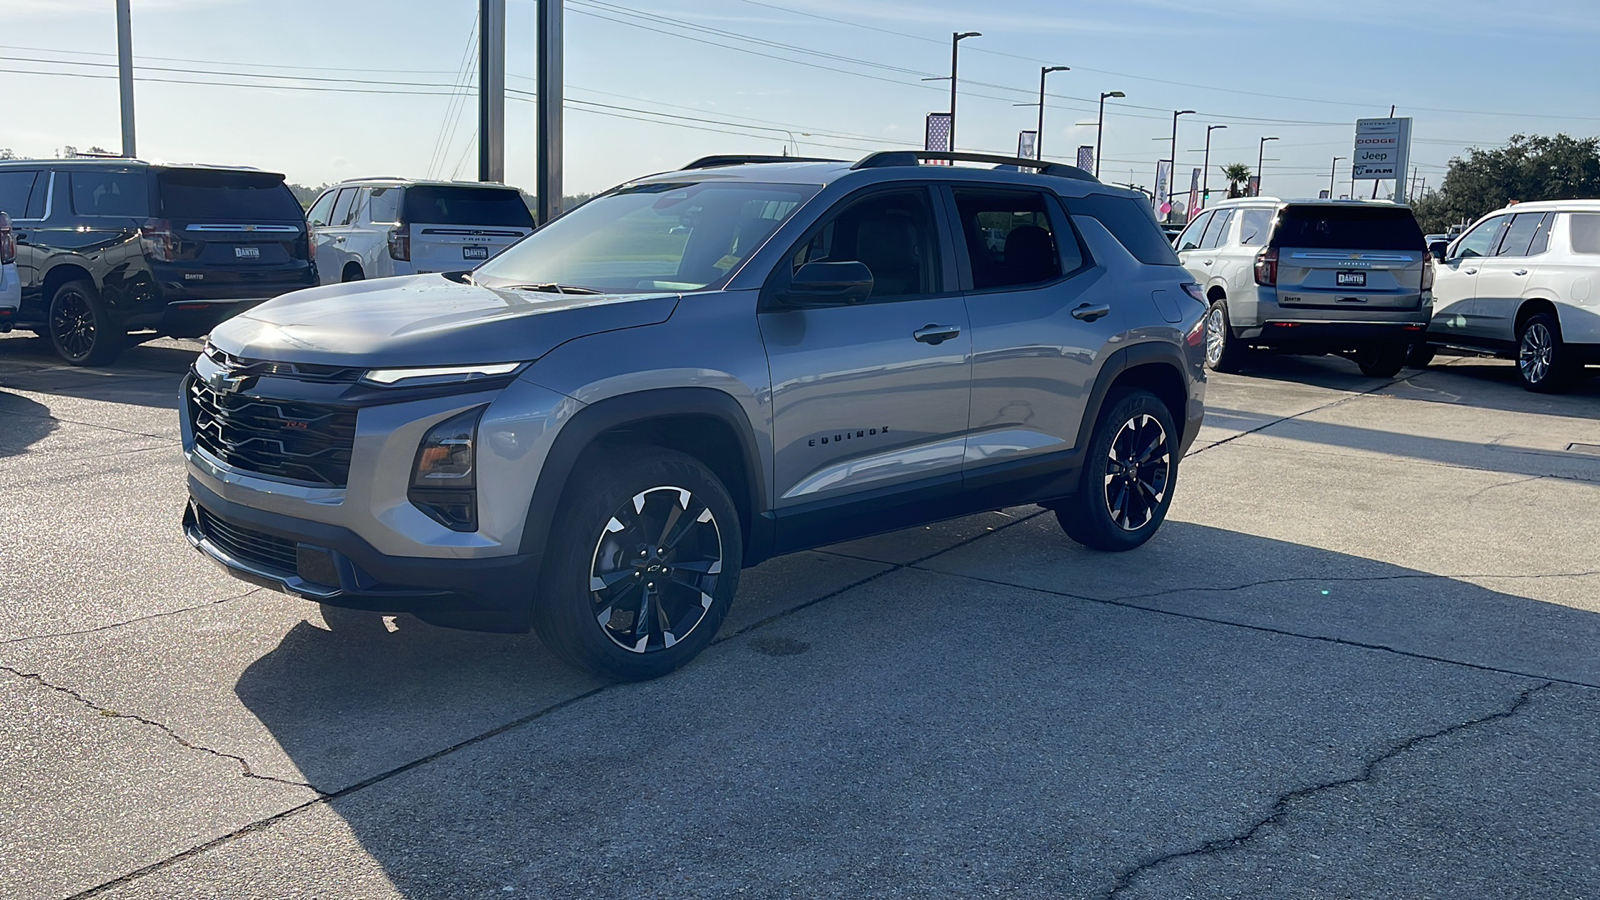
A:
[1238,175]
[1528,167]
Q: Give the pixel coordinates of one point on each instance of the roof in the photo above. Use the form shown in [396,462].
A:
[104,161]
[1297,201]
[433,182]
[1553,206]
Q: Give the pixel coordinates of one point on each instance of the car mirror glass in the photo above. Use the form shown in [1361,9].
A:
[1437,249]
[828,283]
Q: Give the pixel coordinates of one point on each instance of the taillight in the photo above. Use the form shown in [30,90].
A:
[400,244]
[1427,274]
[1267,268]
[8,241]
[1194,290]
[158,241]
[311,244]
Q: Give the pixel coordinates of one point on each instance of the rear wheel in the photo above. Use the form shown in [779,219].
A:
[1128,476]
[1224,352]
[643,564]
[1542,359]
[1383,360]
[80,328]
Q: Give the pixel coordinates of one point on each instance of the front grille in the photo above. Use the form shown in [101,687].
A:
[307,442]
[245,544]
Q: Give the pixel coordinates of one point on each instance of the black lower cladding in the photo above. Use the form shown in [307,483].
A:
[287,553]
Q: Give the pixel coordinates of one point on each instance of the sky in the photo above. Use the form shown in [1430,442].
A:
[323,90]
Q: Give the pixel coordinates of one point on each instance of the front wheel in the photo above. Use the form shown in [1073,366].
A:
[643,565]
[80,328]
[1541,356]
[1128,476]
[1384,360]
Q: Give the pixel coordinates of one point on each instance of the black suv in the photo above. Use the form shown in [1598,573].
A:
[106,247]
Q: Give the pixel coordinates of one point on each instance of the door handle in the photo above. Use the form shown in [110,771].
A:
[1520,272]
[1207,262]
[1089,313]
[1469,271]
[339,239]
[936,334]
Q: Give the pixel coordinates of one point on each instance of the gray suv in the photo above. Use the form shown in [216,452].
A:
[1310,276]
[592,433]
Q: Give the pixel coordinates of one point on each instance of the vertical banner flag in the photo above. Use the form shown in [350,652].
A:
[1086,157]
[1027,144]
[937,134]
[1163,178]
[1255,186]
[1194,195]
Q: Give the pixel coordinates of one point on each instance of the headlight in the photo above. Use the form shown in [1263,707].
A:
[438,374]
[443,478]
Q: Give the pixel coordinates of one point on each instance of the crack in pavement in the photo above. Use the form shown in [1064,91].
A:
[108,712]
[1328,579]
[134,621]
[1329,405]
[1504,484]
[1281,807]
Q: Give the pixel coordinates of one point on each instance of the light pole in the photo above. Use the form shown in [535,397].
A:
[955,48]
[1100,127]
[1261,160]
[1038,140]
[1331,170]
[1205,169]
[1172,173]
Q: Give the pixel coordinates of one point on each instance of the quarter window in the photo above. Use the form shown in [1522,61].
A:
[384,205]
[1010,238]
[1586,233]
[891,233]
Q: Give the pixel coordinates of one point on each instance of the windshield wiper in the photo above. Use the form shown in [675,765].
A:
[551,287]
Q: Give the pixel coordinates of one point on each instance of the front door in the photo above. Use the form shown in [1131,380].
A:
[869,399]
[1455,283]
[1503,279]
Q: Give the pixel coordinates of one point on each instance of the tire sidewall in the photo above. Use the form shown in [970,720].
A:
[562,613]
[1088,519]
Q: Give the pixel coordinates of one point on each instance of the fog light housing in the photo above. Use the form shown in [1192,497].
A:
[444,477]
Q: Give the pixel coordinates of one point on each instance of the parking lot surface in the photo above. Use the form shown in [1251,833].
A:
[1359,660]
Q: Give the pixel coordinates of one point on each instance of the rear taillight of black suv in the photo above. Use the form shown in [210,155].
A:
[1267,268]
[8,241]
[160,242]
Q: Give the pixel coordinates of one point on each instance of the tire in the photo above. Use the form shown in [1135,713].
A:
[1115,509]
[1224,352]
[1542,358]
[1420,356]
[1383,360]
[79,326]
[616,515]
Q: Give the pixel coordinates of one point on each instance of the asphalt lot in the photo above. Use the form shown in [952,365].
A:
[1358,661]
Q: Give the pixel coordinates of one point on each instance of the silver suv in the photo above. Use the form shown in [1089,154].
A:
[1310,276]
[696,371]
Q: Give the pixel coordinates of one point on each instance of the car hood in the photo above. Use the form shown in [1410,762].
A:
[427,320]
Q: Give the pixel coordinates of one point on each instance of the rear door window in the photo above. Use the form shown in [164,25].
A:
[226,196]
[343,207]
[16,186]
[117,194]
[446,205]
[1010,239]
[1524,231]
[1190,238]
[384,205]
[1348,228]
[1132,223]
[1253,227]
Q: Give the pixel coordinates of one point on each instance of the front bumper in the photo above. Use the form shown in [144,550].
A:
[333,565]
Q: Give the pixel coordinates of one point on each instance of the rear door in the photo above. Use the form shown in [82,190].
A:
[456,227]
[1349,257]
[238,233]
[1503,278]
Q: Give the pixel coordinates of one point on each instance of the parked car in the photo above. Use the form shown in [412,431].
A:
[105,247]
[689,374]
[10,283]
[1310,276]
[1523,284]
[378,227]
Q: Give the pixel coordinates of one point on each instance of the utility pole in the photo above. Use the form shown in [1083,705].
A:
[1100,129]
[1172,179]
[1205,169]
[955,52]
[1038,141]
[1261,162]
[492,90]
[125,75]
[1331,170]
[547,178]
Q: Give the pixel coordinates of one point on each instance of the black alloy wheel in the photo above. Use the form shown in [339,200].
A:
[1128,476]
[655,569]
[1138,465]
[1383,360]
[79,328]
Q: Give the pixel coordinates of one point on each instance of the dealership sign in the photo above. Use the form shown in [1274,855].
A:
[1383,150]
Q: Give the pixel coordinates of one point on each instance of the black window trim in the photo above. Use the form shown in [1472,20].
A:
[1057,220]
[782,273]
[1177,242]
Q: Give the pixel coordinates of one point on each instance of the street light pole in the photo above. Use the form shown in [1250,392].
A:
[955,47]
[1100,127]
[1261,160]
[1205,169]
[125,76]
[1331,170]
[1038,140]
[1172,174]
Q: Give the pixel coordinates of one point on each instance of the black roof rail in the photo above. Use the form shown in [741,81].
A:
[708,162]
[885,158]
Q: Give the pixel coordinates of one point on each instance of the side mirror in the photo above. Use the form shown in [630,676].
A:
[828,283]
[1437,250]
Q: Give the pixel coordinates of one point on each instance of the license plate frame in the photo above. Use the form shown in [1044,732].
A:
[1350,279]
[247,253]
[475,253]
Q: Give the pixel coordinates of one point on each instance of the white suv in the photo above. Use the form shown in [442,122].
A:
[1523,283]
[377,227]
[10,284]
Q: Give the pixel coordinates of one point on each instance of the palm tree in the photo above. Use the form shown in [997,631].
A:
[1238,175]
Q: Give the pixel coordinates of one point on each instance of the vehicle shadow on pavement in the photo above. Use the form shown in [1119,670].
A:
[144,375]
[23,423]
[1017,716]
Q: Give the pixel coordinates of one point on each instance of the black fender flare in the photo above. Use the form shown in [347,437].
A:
[1120,361]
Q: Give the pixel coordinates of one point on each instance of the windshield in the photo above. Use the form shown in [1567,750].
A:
[651,237]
